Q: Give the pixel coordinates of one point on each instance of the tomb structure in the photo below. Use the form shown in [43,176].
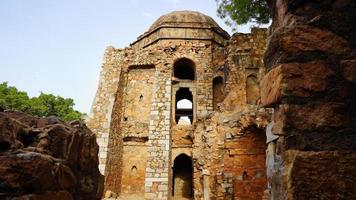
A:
[177,113]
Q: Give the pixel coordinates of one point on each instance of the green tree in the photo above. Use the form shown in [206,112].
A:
[11,98]
[42,106]
[237,12]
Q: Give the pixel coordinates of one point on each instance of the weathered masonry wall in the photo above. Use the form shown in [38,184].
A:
[113,167]
[99,119]
[146,153]
[245,62]
[229,143]
[311,85]
[157,171]
[129,129]
[135,128]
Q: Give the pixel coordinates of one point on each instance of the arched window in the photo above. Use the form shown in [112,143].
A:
[184,106]
[252,89]
[184,69]
[218,91]
[182,186]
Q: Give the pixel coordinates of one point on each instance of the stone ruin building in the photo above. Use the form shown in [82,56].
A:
[189,112]
[176,113]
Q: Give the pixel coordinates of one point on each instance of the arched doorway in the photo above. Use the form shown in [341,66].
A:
[182,177]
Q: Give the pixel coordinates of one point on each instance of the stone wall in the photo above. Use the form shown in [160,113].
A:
[311,86]
[135,128]
[229,143]
[162,57]
[224,146]
[99,119]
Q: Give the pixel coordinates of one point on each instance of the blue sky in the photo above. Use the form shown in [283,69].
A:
[57,46]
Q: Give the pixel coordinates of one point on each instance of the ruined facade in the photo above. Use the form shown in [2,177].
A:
[177,115]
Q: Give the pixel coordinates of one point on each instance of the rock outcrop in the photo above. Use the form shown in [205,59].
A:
[45,158]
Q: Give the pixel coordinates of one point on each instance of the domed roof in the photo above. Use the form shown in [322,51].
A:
[182,25]
[184,18]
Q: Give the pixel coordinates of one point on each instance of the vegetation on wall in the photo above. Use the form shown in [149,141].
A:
[237,12]
[42,106]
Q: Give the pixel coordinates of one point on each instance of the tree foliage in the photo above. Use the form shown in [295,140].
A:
[42,106]
[237,12]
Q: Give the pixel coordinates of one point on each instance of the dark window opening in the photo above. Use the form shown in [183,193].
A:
[182,185]
[218,91]
[184,106]
[184,69]
[244,176]
[4,146]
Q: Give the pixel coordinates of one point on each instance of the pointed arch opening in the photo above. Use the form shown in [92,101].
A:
[184,69]
[182,186]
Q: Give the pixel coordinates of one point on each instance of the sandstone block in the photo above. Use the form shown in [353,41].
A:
[310,116]
[317,175]
[303,43]
[294,79]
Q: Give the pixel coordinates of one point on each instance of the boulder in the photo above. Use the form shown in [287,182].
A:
[45,158]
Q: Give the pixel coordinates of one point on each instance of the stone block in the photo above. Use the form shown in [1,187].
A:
[163,188]
[316,175]
[303,43]
[150,195]
[311,116]
[294,79]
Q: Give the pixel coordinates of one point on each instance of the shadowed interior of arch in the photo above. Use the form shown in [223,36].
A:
[184,69]
[218,91]
[182,177]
